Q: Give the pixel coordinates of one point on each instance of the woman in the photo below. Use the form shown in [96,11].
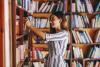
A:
[57,39]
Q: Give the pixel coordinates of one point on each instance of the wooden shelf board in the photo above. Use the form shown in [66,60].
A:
[84,29]
[37,60]
[89,59]
[86,13]
[41,15]
[40,45]
[89,44]
[44,29]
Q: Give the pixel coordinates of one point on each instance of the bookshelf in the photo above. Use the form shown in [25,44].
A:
[84,27]
[92,32]
[20,35]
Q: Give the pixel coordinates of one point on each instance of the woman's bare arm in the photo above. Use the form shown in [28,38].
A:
[36,30]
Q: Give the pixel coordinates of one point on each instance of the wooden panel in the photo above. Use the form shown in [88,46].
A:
[42,15]
[13,33]
[1,31]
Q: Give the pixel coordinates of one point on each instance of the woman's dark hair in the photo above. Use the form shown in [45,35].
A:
[60,15]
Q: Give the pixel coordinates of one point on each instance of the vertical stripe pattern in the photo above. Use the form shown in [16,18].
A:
[57,44]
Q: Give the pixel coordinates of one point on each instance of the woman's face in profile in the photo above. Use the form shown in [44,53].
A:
[55,21]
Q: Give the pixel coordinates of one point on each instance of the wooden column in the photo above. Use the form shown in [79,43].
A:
[1,32]
[13,33]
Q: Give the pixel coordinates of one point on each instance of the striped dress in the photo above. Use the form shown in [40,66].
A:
[57,44]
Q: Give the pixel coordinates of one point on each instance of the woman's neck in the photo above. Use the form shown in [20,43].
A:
[58,29]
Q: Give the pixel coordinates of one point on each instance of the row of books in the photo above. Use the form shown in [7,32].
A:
[76,64]
[23,4]
[97,37]
[67,54]
[80,21]
[81,37]
[36,6]
[39,22]
[22,52]
[37,54]
[77,52]
[47,6]
[94,52]
[96,21]
[82,6]
[93,64]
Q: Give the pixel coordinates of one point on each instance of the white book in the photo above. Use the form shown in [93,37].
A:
[52,5]
[83,23]
[98,21]
[42,7]
[78,5]
[74,50]
[97,36]
[22,50]
[78,52]
[45,7]
[86,37]
[98,7]
[93,23]
[33,22]
[37,6]
[17,55]
[73,7]
[86,19]
[96,55]
[89,6]
[76,20]
[93,53]
[79,37]
[43,23]
[36,64]
[74,35]
[81,53]
[48,24]
[61,6]
[38,22]
[58,6]
[89,37]
[83,5]
[82,37]
[47,10]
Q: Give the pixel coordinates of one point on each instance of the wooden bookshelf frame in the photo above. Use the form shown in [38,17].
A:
[47,15]
[1,34]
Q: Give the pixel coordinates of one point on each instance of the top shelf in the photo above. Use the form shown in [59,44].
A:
[47,15]
[40,15]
